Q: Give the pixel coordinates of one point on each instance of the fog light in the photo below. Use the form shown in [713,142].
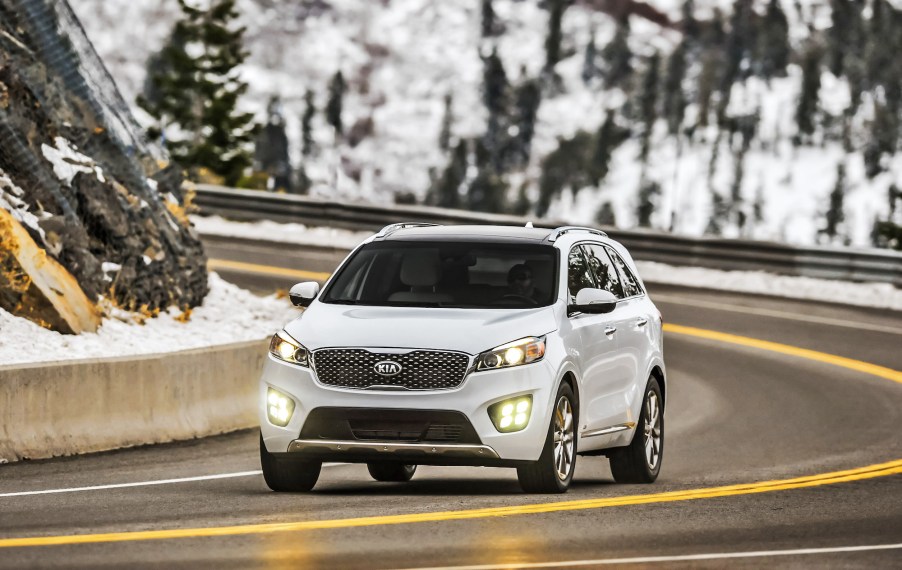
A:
[511,415]
[279,408]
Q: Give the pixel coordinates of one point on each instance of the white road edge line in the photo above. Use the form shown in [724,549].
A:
[145,483]
[681,558]
[135,484]
[676,300]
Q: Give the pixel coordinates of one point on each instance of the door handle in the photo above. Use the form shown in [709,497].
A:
[641,322]
[610,331]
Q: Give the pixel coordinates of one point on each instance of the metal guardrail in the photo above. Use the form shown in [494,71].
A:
[714,253]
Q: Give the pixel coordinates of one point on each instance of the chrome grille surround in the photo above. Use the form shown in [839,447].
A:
[420,369]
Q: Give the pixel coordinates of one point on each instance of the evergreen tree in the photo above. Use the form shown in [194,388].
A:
[590,61]
[648,102]
[489,25]
[337,88]
[605,215]
[674,96]
[193,91]
[809,97]
[495,87]
[523,204]
[307,142]
[720,211]
[617,55]
[553,39]
[649,191]
[607,139]
[271,149]
[528,97]
[444,137]
[740,43]
[835,214]
[689,25]
[884,135]
[447,192]
[564,167]
[773,42]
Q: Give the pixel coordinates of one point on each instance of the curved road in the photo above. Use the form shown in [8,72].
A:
[741,415]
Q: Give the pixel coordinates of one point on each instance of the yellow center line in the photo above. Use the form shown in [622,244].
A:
[841,361]
[858,474]
[219,264]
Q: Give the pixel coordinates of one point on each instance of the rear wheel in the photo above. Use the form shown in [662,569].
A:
[640,461]
[288,474]
[397,472]
[554,469]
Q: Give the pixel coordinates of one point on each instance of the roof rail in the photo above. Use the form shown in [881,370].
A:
[558,232]
[391,228]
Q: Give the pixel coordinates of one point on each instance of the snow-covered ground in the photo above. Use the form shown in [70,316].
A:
[216,322]
[402,57]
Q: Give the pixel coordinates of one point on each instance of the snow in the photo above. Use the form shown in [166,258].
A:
[297,234]
[11,201]
[401,58]
[216,322]
[67,162]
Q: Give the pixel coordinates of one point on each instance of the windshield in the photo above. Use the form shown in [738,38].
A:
[443,274]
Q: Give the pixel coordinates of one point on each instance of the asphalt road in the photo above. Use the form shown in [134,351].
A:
[738,416]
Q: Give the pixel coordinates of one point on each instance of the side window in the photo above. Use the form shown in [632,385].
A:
[630,284]
[579,275]
[605,274]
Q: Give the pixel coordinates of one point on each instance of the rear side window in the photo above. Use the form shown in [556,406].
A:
[631,285]
[579,274]
[605,274]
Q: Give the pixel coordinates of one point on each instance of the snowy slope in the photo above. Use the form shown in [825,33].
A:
[402,56]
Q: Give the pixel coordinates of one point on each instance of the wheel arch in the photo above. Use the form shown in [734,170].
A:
[657,372]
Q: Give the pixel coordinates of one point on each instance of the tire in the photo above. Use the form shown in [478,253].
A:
[394,472]
[640,461]
[552,473]
[288,474]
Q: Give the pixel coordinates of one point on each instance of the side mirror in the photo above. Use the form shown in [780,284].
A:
[594,301]
[302,294]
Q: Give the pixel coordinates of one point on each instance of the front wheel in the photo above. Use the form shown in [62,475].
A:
[640,461]
[396,472]
[554,469]
[288,474]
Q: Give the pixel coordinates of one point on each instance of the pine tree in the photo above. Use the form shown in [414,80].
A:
[307,142]
[495,96]
[884,135]
[565,167]
[590,61]
[835,214]
[553,39]
[649,191]
[444,137]
[489,25]
[194,98]
[773,42]
[618,56]
[607,139]
[674,96]
[720,211]
[605,215]
[689,25]
[337,87]
[648,103]
[809,97]
[447,192]
[271,148]
[528,97]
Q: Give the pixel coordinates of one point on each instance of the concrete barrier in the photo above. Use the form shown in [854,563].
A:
[82,406]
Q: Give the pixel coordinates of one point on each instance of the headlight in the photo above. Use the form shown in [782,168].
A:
[287,349]
[515,353]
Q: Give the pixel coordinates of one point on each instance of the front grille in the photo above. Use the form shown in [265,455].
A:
[420,369]
[380,424]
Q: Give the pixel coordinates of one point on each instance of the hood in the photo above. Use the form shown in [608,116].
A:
[466,330]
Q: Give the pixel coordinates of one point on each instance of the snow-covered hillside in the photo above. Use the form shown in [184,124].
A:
[401,58]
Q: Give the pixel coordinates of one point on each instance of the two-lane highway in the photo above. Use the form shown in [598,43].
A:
[784,452]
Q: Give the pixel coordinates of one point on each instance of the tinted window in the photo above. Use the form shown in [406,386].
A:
[605,274]
[579,274]
[630,284]
[445,274]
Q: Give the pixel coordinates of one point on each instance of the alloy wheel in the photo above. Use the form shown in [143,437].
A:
[563,438]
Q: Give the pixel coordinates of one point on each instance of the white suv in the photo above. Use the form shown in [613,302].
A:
[469,345]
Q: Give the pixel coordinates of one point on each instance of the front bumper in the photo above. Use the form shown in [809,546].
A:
[472,399]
